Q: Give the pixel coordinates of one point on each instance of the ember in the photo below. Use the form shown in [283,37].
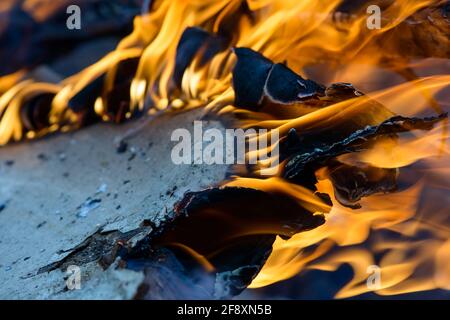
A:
[361,149]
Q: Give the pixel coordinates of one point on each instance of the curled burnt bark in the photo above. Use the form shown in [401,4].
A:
[351,183]
[258,82]
[255,78]
[358,140]
[102,247]
[341,91]
[304,157]
[219,239]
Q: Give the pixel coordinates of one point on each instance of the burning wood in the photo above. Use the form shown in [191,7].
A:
[195,41]
[313,72]
[256,77]
[354,142]
[227,232]
[42,21]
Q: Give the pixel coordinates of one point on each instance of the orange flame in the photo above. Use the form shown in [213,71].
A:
[307,36]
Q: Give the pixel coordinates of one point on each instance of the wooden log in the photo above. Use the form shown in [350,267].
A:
[27,39]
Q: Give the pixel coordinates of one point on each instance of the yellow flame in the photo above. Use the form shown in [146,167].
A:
[402,259]
[305,35]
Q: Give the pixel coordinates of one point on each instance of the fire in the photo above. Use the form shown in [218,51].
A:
[313,41]
[397,212]
[407,213]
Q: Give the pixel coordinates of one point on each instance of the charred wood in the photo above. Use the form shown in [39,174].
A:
[357,141]
[232,228]
[26,41]
[255,78]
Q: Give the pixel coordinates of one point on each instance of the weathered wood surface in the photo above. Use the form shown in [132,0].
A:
[56,193]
